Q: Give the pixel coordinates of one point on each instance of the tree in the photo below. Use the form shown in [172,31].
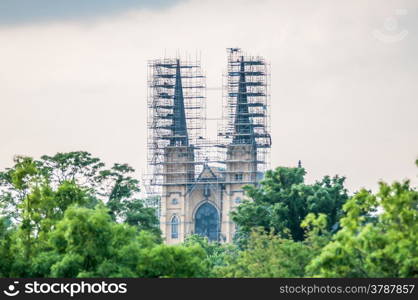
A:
[15,184]
[271,255]
[114,186]
[216,254]
[34,208]
[136,213]
[283,200]
[378,238]
[6,255]
[78,166]
[68,173]
[267,255]
[88,243]
[174,262]
[36,196]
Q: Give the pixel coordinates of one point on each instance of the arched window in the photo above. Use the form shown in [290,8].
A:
[174,201]
[207,222]
[175,227]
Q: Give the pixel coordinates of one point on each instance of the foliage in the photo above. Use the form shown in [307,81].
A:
[386,247]
[5,244]
[67,215]
[61,215]
[173,262]
[87,243]
[216,254]
[90,244]
[62,175]
[283,200]
[135,212]
[268,255]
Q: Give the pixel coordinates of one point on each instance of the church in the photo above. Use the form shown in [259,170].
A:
[196,190]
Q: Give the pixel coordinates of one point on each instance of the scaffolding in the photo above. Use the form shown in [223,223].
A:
[176,113]
[177,123]
[246,112]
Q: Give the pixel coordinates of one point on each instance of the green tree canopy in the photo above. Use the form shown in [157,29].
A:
[283,200]
[216,254]
[64,174]
[37,199]
[267,255]
[69,216]
[378,238]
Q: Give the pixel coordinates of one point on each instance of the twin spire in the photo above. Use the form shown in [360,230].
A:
[176,115]
[244,133]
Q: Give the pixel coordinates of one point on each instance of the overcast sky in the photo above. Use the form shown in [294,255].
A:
[344,77]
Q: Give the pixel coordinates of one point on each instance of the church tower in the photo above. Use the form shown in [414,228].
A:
[247,136]
[178,165]
[174,121]
[197,190]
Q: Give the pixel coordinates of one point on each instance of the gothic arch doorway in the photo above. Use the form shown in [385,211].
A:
[207,221]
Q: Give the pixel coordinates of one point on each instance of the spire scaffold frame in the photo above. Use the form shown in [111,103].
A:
[246,109]
[177,119]
[176,113]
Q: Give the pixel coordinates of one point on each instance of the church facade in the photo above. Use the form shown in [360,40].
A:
[201,203]
[204,206]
